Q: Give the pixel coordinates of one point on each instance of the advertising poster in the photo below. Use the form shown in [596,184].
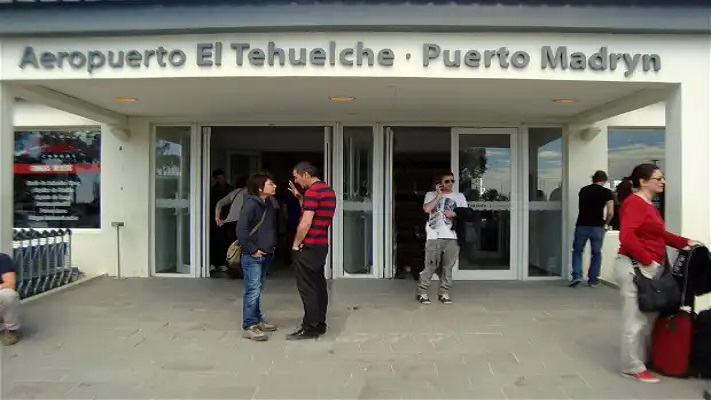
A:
[57,179]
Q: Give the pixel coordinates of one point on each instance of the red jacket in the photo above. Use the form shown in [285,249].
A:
[643,236]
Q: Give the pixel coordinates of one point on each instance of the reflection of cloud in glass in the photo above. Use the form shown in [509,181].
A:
[627,148]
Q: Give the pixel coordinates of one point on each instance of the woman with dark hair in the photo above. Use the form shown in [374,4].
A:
[643,241]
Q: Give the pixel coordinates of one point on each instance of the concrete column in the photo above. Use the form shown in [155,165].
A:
[688,166]
[7,146]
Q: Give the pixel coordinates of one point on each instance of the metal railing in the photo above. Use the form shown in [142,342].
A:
[43,260]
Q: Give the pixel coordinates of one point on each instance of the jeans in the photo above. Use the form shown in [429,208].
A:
[254,270]
[636,325]
[582,234]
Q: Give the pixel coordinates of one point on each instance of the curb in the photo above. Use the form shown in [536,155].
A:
[78,282]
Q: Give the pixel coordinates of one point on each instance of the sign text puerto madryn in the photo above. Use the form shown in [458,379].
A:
[219,54]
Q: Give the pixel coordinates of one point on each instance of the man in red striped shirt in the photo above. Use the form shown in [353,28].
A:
[310,248]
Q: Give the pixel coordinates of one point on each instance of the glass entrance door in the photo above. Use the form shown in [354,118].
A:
[173,225]
[485,162]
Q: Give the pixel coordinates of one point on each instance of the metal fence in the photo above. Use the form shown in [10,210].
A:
[43,260]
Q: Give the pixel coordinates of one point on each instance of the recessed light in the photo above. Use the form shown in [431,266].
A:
[565,100]
[126,99]
[341,98]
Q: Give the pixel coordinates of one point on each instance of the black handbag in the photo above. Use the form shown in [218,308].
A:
[657,295]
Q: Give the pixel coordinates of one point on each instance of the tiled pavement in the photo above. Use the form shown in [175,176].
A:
[180,338]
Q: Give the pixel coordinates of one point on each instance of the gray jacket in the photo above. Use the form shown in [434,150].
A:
[235,199]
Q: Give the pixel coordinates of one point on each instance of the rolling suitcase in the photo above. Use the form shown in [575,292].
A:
[672,334]
[701,346]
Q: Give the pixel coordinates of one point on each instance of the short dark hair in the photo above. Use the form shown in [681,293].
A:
[256,182]
[599,176]
[305,167]
[217,173]
[441,175]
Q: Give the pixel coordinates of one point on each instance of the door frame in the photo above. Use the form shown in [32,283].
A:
[203,130]
[517,202]
[195,174]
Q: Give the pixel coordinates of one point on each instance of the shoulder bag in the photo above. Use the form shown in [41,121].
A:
[660,294]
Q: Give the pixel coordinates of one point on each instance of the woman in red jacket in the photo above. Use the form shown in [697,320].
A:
[643,241]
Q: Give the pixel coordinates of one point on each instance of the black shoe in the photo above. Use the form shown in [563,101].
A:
[322,329]
[707,394]
[302,334]
[575,283]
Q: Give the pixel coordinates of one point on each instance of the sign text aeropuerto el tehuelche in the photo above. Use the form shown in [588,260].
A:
[217,54]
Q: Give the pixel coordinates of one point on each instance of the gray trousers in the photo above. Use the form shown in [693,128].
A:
[9,310]
[439,254]
[636,325]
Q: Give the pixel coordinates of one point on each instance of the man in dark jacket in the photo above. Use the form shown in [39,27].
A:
[257,236]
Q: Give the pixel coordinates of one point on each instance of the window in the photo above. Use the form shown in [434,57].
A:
[57,179]
[628,147]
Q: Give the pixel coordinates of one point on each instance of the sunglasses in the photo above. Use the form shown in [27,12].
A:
[448,181]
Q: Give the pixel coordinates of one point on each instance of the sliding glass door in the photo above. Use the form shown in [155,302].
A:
[485,162]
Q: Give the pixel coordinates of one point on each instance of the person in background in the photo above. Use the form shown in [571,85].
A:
[643,242]
[218,249]
[9,301]
[310,248]
[593,200]
[441,247]
[257,236]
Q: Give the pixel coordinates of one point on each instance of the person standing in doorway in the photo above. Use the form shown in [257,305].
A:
[595,211]
[257,235]
[219,189]
[441,247]
[310,248]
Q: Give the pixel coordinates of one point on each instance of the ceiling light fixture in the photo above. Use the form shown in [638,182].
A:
[565,100]
[341,98]
[126,99]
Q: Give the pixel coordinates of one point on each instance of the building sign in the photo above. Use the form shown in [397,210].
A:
[57,179]
[238,54]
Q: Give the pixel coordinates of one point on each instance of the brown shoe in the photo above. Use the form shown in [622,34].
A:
[266,327]
[253,333]
[10,337]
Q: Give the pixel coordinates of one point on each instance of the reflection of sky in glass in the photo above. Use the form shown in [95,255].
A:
[168,148]
[550,166]
[627,148]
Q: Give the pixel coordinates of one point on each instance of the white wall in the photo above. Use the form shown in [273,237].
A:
[93,250]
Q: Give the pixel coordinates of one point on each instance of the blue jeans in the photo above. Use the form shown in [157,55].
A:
[254,270]
[582,234]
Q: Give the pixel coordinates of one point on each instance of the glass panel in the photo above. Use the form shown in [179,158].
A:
[172,191]
[545,216]
[418,154]
[358,201]
[485,180]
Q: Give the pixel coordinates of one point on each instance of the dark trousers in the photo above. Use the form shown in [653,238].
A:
[221,237]
[311,283]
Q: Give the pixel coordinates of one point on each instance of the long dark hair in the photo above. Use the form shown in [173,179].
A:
[642,171]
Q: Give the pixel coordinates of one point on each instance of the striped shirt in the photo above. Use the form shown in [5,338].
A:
[320,199]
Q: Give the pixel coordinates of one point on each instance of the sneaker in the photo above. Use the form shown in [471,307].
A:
[10,337]
[253,333]
[445,299]
[594,284]
[575,283]
[644,377]
[707,394]
[266,327]
[423,299]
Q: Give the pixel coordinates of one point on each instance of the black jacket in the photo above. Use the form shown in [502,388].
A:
[465,218]
[265,238]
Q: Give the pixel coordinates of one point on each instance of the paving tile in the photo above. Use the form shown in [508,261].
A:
[36,390]
[181,338]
